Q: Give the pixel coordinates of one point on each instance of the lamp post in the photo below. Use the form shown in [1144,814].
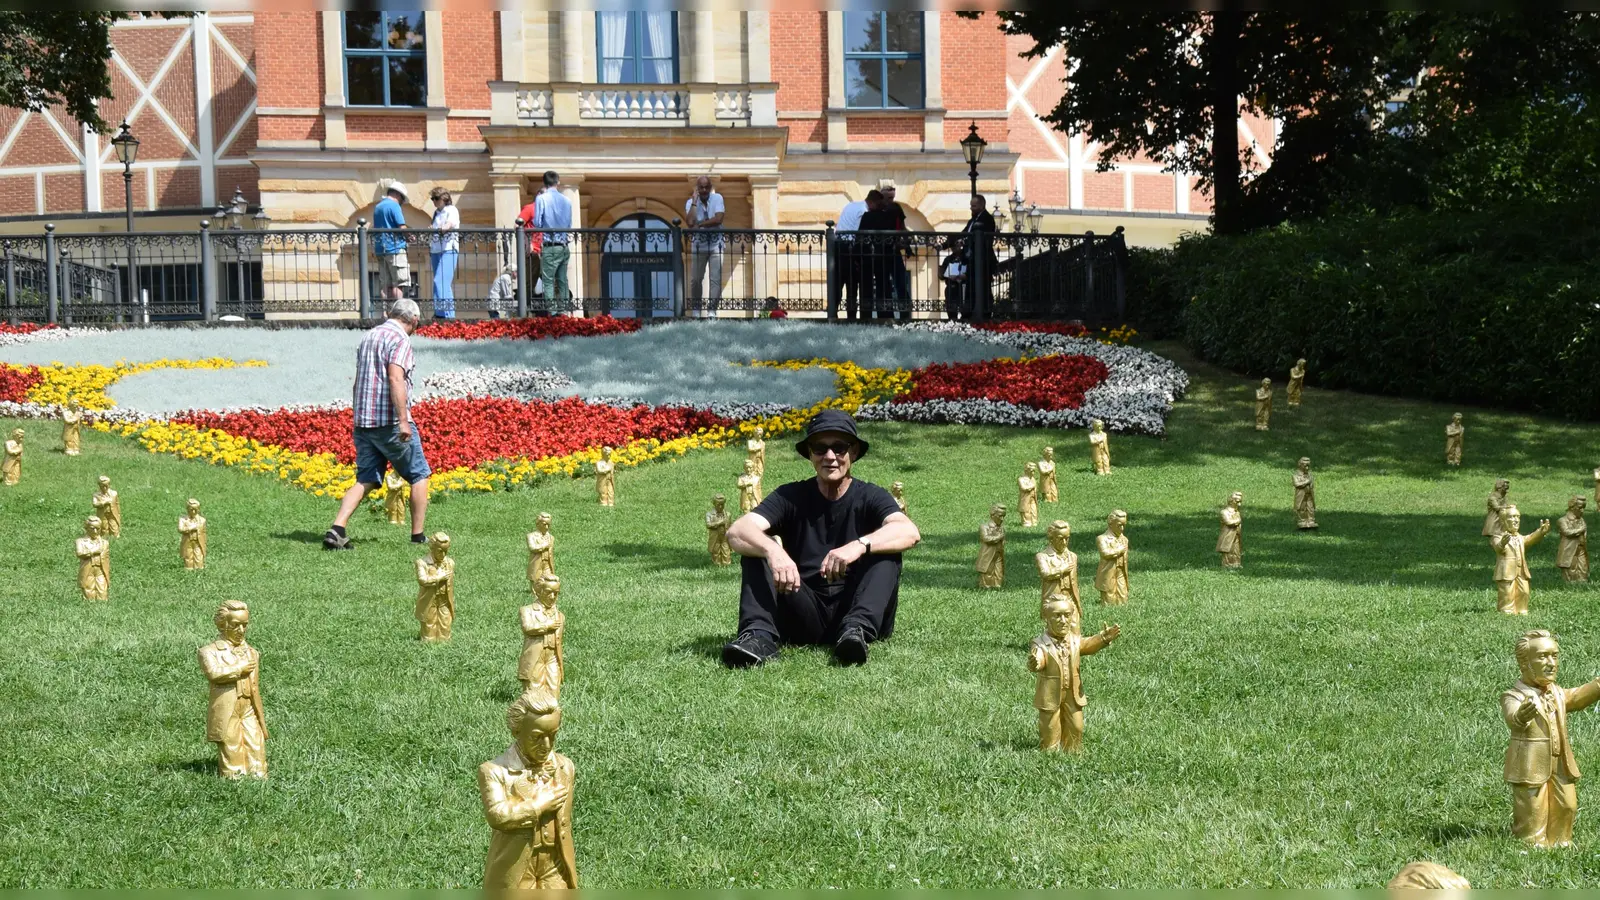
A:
[972,151]
[127,148]
[1034,218]
[1016,210]
[237,207]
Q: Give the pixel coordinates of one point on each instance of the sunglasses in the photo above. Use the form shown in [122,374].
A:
[839,448]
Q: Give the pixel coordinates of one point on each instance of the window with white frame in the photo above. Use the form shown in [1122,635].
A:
[385,58]
[883,65]
[637,47]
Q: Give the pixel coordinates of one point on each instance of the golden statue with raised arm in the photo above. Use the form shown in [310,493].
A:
[234,720]
[108,506]
[543,662]
[436,590]
[1047,476]
[717,522]
[1454,433]
[1111,576]
[605,478]
[541,550]
[1058,566]
[1540,765]
[1572,556]
[94,561]
[1230,541]
[1058,687]
[1099,448]
[1511,576]
[192,536]
[1264,404]
[71,427]
[527,799]
[992,549]
[1028,495]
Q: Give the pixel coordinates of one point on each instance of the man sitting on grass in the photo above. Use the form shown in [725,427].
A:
[836,576]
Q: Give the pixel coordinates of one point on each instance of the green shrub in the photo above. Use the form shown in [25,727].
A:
[1499,307]
[1154,301]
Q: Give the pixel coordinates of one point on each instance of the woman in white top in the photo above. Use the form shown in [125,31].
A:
[446,250]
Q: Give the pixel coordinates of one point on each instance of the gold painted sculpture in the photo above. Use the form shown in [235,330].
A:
[94,561]
[1111,577]
[1264,404]
[1572,556]
[234,719]
[1047,476]
[1028,495]
[1058,566]
[1496,505]
[1099,448]
[1540,766]
[543,663]
[605,478]
[71,426]
[1427,876]
[756,451]
[1305,496]
[396,495]
[527,799]
[749,488]
[11,468]
[541,551]
[1511,561]
[717,522]
[1454,433]
[1297,383]
[1058,688]
[192,536]
[1230,542]
[992,549]
[108,506]
[436,590]
[897,490]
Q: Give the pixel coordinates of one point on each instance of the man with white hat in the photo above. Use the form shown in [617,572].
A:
[394,270]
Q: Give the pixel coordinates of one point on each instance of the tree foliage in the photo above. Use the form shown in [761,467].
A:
[56,57]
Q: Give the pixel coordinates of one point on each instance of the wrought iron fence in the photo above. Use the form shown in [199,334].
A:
[644,267]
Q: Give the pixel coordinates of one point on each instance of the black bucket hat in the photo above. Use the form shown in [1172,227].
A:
[831,420]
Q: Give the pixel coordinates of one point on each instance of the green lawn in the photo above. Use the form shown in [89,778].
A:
[1316,720]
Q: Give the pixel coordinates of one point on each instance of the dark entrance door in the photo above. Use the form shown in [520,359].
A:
[636,271]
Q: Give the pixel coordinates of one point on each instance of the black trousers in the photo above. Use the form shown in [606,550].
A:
[870,593]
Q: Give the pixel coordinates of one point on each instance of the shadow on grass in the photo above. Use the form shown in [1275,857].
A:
[504,692]
[305,537]
[707,645]
[660,556]
[204,766]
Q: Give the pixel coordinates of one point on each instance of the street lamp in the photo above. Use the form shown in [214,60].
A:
[972,151]
[1016,210]
[236,209]
[1034,218]
[127,147]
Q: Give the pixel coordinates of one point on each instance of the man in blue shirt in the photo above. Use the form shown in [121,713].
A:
[552,213]
[394,270]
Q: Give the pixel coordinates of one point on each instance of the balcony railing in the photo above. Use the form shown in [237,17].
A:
[671,105]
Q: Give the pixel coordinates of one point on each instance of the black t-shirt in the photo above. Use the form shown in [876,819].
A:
[811,525]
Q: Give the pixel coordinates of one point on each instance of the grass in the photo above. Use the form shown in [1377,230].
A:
[1318,719]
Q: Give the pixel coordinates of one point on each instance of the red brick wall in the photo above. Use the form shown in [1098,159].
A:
[973,75]
[291,128]
[813,131]
[471,57]
[465,129]
[384,127]
[41,145]
[1154,193]
[800,67]
[16,196]
[64,193]
[995,131]
[180,188]
[870,130]
[111,188]
[1046,187]
[232,91]
[289,61]
[1102,190]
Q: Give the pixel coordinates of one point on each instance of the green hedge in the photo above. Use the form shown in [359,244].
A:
[1498,308]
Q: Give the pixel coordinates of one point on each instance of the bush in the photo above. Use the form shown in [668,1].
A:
[1499,307]
[1154,300]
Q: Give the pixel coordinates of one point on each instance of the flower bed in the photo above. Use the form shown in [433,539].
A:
[17,381]
[1046,382]
[528,329]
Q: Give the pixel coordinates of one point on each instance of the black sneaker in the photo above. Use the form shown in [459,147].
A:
[851,648]
[749,649]
[333,540]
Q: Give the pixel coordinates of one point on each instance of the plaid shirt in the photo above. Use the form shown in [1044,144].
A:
[383,345]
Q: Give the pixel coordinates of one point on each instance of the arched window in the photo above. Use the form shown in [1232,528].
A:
[636,271]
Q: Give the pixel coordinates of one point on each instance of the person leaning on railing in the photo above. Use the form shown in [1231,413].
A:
[535,245]
[445,251]
[552,213]
[394,270]
[705,211]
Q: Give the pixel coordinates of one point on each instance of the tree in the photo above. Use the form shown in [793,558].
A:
[1172,85]
[56,57]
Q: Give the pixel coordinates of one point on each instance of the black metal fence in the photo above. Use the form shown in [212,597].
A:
[648,269]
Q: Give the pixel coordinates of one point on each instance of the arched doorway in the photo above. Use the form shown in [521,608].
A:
[636,267]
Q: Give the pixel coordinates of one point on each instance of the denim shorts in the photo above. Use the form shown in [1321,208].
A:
[380,445]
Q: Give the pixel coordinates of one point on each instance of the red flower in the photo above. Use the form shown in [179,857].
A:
[23,328]
[16,381]
[532,329]
[1070,329]
[1050,382]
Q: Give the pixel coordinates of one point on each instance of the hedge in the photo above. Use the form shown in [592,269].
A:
[1497,308]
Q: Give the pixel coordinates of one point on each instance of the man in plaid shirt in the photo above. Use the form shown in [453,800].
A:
[384,433]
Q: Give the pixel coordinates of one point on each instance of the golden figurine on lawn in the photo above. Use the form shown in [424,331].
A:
[436,590]
[1058,687]
[992,549]
[526,794]
[234,720]
[1540,765]
[108,506]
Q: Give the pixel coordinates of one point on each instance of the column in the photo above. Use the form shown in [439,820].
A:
[764,216]
[764,100]
[333,79]
[838,136]
[702,96]
[507,200]
[511,45]
[933,83]
[200,40]
[578,263]
[564,97]
[437,136]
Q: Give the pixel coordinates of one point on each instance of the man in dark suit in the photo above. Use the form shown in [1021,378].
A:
[980,230]
[874,253]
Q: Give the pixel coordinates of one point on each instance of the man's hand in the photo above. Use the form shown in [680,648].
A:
[839,559]
[785,574]
[1526,711]
[1544,526]
[405,429]
[1111,632]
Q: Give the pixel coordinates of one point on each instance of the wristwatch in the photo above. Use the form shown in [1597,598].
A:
[865,543]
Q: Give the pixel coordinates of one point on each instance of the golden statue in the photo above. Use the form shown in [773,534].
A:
[1297,383]
[1453,434]
[1427,876]
[396,494]
[1511,561]
[1305,496]
[234,720]
[992,549]
[541,551]
[605,478]
[1111,577]
[1028,495]
[897,490]
[71,425]
[1540,766]
[717,522]
[108,506]
[1264,404]
[1058,566]
[1497,504]
[11,468]
[749,488]
[756,450]
[1058,688]
[527,799]
[1572,556]
[1047,476]
[1229,541]
[542,662]
[94,561]
[436,590]
[192,536]
[1099,448]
